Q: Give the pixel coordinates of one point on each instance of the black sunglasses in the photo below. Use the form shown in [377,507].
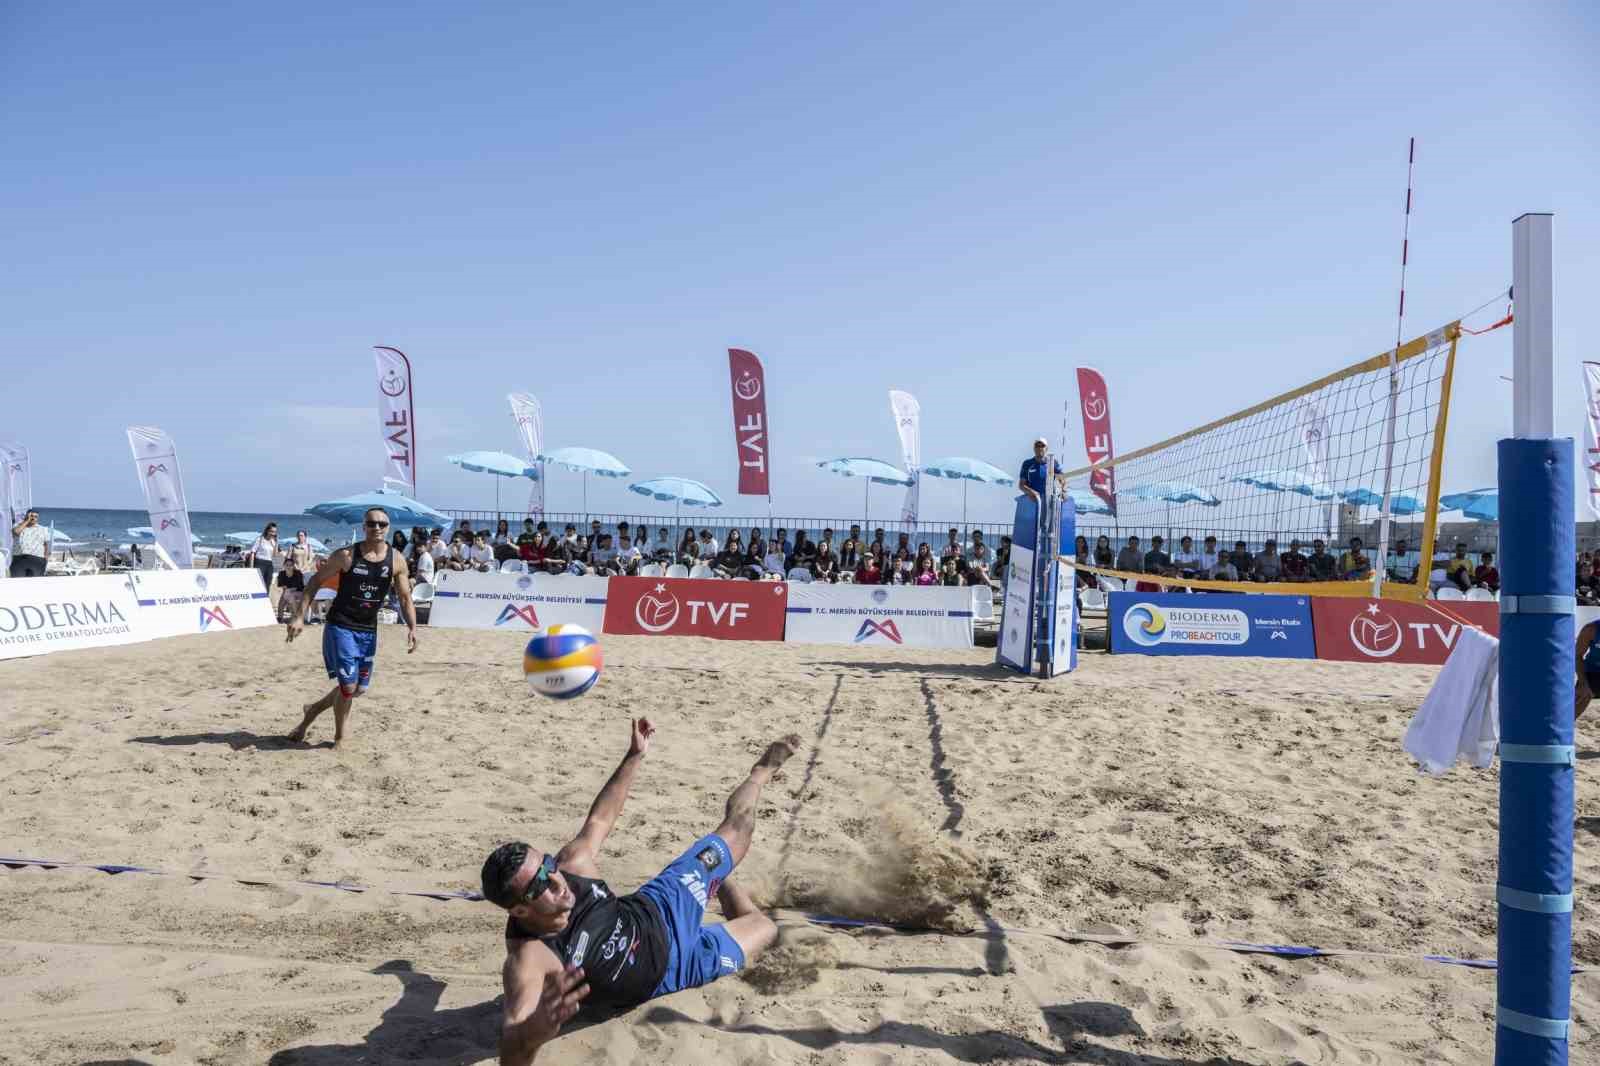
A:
[377,525]
[541,880]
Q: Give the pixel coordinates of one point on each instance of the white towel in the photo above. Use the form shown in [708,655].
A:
[1461,716]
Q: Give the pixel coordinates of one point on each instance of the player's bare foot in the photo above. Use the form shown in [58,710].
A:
[298,734]
[779,751]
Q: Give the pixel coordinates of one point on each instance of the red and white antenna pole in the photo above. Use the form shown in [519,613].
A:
[1394,388]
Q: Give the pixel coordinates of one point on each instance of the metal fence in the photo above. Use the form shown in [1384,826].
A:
[935,533]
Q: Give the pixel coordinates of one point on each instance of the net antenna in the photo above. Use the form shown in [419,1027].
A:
[1394,390]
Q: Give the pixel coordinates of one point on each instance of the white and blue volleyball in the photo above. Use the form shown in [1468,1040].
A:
[562,661]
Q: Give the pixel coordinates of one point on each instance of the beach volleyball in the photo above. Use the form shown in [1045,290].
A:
[562,661]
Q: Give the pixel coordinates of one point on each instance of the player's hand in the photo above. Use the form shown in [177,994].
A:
[411,640]
[558,1002]
[296,624]
[642,732]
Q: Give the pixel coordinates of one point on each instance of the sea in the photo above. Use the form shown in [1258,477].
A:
[96,528]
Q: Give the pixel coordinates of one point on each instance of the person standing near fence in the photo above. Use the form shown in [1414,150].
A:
[32,551]
[262,551]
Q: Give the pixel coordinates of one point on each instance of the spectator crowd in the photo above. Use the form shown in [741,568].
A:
[626,549]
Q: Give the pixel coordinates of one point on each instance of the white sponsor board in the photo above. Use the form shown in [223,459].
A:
[883,615]
[44,614]
[518,602]
[173,603]
[1016,620]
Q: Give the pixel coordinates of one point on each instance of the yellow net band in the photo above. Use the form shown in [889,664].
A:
[1356,587]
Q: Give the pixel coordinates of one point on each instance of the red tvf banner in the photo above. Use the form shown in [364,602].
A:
[1095,404]
[1393,631]
[684,607]
[751,432]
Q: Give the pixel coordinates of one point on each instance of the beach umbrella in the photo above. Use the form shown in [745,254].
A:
[960,467]
[870,470]
[499,464]
[146,535]
[587,461]
[1171,492]
[683,491]
[403,510]
[1286,481]
[1482,505]
[1400,503]
[1087,502]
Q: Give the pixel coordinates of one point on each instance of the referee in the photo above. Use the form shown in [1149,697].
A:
[1031,479]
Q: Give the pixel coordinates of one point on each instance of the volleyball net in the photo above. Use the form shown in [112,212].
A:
[1319,463]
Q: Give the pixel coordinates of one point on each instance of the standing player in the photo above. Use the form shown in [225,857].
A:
[362,575]
[566,924]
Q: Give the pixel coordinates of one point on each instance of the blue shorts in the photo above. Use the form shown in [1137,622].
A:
[347,653]
[696,954]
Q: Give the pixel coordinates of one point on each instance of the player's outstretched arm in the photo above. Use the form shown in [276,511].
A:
[408,610]
[579,855]
[327,575]
[537,1006]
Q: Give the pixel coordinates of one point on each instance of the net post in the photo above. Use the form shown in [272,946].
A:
[1534,982]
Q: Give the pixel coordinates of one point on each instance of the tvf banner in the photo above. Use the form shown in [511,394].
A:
[397,420]
[752,433]
[688,607]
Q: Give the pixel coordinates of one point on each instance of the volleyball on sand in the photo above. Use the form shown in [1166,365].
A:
[562,661]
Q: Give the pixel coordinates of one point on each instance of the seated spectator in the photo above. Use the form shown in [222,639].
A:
[661,550]
[950,572]
[1487,575]
[827,538]
[1267,566]
[869,572]
[924,551]
[1242,560]
[805,551]
[526,540]
[708,548]
[595,528]
[1294,564]
[291,589]
[1353,565]
[1103,555]
[603,556]
[980,560]
[826,566]
[784,544]
[463,532]
[481,555]
[952,548]
[502,535]
[1209,556]
[1458,571]
[850,550]
[727,562]
[460,553]
[925,574]
[1322,565]
[1187,560]
[1002,556]
[422,564]
[628,556]
[1398,569]
[688,549]
[1156,560]
[1130,558]
[1223,569]
[773,561]
[1080,552]
[879,545]
[902,567]
[437,547]
[735,542]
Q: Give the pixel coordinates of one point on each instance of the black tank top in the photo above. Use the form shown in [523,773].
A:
[362,590]
[620,943]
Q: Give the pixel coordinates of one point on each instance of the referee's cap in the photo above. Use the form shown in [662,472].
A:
[1041,440]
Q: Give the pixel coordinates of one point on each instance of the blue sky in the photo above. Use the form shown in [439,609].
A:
[212,212]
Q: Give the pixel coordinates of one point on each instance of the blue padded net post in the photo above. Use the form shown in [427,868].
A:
[1537,757]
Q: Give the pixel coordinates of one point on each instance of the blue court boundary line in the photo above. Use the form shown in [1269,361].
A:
[830,921]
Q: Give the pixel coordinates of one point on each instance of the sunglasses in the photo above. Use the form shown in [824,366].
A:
[377,525]
[541,880]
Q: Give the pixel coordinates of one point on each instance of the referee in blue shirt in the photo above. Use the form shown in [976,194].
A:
[1031,480]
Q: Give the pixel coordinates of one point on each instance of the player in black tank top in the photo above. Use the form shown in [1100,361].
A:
[362,575]
[566,927]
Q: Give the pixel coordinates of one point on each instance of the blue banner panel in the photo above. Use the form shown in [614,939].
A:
[1182,623]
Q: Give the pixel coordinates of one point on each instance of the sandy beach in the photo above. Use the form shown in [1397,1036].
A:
[1152,799]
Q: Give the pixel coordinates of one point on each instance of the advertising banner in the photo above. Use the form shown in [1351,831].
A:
[397,420]
[529,416]
[155,457]
[1591,441]
[174,603]
[752,435]
[518,602]
[908,423]
[1181,623]
[45,614]
[902,616]
[689,607]
[1094,401]
[1395,631]
[16,495]
[1015,645]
